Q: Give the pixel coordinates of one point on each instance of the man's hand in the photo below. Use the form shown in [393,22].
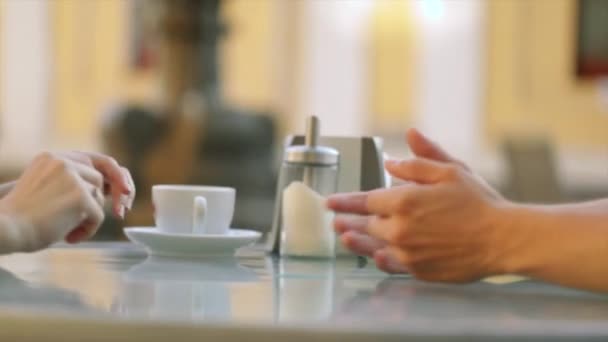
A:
[439,226]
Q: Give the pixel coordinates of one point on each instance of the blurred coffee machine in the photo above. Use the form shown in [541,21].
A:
[189,135]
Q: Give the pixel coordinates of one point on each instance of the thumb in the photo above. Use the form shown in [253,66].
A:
[419,170]
[423,147]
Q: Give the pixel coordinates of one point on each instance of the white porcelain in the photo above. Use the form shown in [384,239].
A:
[160,243]
[191,209]
[219,268]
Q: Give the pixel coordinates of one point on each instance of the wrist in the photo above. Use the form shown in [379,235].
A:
[16,232]
[519,229]
[511,239]
[10,240]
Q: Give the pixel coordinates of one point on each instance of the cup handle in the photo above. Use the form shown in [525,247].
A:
[199,215]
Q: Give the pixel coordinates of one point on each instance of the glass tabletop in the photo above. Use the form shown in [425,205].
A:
[119,280]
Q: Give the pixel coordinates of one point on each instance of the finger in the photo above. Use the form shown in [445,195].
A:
[381,228]
[376,202]
[116,181]
[396,231]
[361,244]
[119,184]
[424,147]
[113,172]
[419,170]
[346,223]
[96,195]
[353,203]
[388,262]
[128,199]
[120,197]
[77,157]
[89,174]
[400,199]
[93,214]
[89,185]
[118,209]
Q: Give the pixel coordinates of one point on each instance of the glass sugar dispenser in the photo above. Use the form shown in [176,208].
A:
[309,173]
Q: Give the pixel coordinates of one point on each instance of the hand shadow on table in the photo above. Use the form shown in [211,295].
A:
[400,299]
[18,293]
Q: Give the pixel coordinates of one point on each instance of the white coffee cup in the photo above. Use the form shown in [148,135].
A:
[190,209]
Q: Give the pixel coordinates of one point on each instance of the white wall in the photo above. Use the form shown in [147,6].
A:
[333,82]
[334,66]
[450,75]
[449,80]
[24,76]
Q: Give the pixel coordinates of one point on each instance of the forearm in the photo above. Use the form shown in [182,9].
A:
[564,244]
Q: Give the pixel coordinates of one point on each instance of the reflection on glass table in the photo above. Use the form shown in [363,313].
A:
[119,282]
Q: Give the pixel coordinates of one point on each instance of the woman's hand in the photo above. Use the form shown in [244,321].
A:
[61,196]
[117,179]
[118,182]
[440,226]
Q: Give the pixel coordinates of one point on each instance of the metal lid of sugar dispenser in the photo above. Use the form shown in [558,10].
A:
[311,153]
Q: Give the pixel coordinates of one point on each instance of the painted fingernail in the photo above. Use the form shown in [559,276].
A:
[125,201]
[121,212]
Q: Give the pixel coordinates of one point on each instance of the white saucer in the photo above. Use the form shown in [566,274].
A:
[187,245]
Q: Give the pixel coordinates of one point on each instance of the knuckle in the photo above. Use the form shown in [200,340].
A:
[59,164]
[453,171]
[415,263]
[44,157]
[80,198]
[98,178]
[110,160]
[82,157]
[405,202]
[73,181]
[415,218]
[403,257]
[409,165]
[400,234]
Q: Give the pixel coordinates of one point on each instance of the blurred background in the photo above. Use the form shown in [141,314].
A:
[204,92]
